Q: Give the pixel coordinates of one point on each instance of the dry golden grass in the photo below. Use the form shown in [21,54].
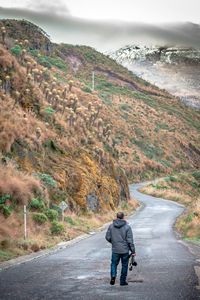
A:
[20,186]
[182,188]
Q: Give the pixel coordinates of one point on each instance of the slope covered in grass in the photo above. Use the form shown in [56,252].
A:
[61,141]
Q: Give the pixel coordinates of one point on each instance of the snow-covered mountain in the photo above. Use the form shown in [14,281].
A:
[175,69]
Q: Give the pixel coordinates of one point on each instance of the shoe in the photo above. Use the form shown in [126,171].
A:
[112,281]
[124,283]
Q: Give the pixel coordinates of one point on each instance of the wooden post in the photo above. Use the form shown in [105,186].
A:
[25,223]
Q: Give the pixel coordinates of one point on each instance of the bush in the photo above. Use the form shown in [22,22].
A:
[196,175]
[47,179]
[49,110]
[69,220]
[125,107]
[57,228]
[21,187]
[35,247]
[3,198]
[7,210]
[86,89]
[52,214]
[40,218]
[188,219]
[171,178]
[16,50]
[44,62]
[37,203]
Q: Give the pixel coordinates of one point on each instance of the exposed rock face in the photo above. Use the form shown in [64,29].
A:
[92,202]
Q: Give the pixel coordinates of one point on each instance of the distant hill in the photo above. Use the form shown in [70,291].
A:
[175,69]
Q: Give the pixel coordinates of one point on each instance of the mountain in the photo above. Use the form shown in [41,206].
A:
[62,140]
[175,69]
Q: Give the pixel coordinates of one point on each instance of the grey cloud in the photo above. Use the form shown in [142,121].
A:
[105,36]
[55,7]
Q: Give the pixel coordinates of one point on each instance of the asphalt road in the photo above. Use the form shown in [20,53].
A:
[165,268]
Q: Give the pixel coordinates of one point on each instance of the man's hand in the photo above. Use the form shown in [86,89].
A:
[133,254]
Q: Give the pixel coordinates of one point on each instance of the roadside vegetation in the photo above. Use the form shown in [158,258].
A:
[185,189]
[46,229]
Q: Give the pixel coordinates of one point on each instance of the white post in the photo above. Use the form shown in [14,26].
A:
[25,223]
[93,81]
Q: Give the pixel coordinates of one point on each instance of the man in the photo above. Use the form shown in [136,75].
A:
[120,235]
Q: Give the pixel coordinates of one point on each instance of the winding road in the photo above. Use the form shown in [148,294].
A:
[165,268]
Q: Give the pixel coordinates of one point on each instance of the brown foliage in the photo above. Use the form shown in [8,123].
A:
[20,186]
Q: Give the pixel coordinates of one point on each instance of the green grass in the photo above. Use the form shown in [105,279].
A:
[69,220]
[60,78]
[6,255]
[194,239]
[106,98]
[149,150]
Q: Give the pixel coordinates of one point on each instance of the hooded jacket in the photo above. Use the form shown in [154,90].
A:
[120,235]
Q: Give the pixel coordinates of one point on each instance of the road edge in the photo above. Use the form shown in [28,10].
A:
[60,246]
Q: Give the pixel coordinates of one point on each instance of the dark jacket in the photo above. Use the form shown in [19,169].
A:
[120,235]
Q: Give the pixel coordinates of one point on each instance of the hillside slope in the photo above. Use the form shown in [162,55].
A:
[59,140]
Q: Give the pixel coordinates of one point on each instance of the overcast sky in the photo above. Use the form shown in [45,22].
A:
[107,24]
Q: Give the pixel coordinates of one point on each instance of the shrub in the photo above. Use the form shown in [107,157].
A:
[188,219]
[47,179]
[7,210]
[86,89]
[16,50]
[125,107]
[35,247]
[3,198]
[18,185]
[44,62]
[196,175]
[40,218]
[171,178]
[49,110]
[57,208]
[57,228]
[69,220]
[37,203]
[4,244]
[52,214]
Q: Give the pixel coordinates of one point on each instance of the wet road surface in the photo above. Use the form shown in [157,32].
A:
[165,268]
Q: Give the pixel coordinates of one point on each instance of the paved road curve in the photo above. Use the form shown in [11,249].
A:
[165,267]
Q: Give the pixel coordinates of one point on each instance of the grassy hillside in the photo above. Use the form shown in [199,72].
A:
[59,140]
[183,188]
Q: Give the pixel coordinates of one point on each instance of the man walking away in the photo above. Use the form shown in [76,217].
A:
[120,235]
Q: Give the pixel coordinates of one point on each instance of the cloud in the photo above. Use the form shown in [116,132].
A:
[54,7]
[104,36]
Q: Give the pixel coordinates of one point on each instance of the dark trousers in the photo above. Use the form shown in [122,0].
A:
[114,263]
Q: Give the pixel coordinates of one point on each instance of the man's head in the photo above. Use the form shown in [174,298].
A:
[120,215]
